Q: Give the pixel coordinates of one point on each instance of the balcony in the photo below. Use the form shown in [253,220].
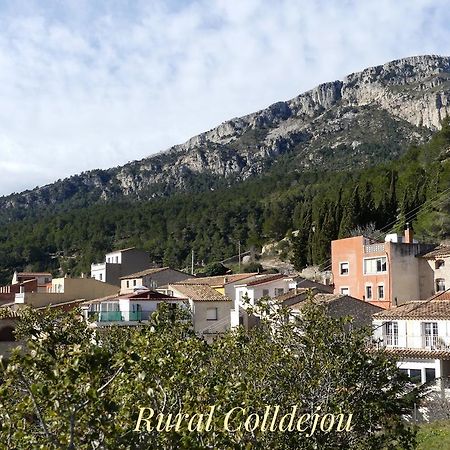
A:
[425,342]
[118,316]
[374,248]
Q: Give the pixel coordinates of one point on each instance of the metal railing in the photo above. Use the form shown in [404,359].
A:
[118,316]
[422,341]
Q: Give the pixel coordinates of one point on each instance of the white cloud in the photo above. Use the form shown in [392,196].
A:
[99,85]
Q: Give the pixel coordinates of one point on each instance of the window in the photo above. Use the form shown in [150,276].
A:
[430,374]
[440,284]
[439,263]
[117,259]
[380,292]
[415,375]
[345,291]
[368,292]
[134,282]
[431,334]
[100,277]
[343,268]
[211,314]
[128,283]
[391,333]
[375,265]
[265,292]
[279,291]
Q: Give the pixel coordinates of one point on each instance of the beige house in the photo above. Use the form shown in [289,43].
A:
[210,309]
[151,279]
[438,262]
[65,290]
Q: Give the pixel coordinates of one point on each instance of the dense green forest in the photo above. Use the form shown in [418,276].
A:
[321,205]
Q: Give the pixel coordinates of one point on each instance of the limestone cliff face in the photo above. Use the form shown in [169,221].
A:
[368,116]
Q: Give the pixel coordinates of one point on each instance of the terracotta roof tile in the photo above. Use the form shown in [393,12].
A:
[436,307]
[441,251]
[418,353]
[219,280]
[145,272]
[263,278]
[199,292]
[34,274]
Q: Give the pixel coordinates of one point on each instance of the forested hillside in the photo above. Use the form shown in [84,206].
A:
[321,204]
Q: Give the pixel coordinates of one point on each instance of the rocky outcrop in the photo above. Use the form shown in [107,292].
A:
[367,117]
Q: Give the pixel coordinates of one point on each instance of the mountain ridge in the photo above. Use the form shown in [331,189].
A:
[366,117]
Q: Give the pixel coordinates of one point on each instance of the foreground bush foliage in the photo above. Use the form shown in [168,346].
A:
[76,387]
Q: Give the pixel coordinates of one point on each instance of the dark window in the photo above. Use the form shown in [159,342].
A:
[430,374]
[440,285]
[369,292]
[7,334]
[415,375]
[344,268]
[439,263]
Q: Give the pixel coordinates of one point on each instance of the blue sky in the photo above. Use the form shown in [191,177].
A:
[93,84]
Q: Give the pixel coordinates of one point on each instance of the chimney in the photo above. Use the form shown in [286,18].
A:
[409,234]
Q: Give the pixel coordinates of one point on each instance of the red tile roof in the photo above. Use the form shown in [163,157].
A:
[264,278]
[34,274]
[150,271]
[418,353]
[441,251]
[436,307]
[219,280]
[199,292]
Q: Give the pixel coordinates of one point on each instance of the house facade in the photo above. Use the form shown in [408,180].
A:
[151,279]
[418,334]
[253,289]
[25,282]
[336,305]
[438,261]
[210,309]
[120,263]
[385,273]
[127,309]
[65,290]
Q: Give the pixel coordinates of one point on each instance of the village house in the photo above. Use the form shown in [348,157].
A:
[25,282]
[418,334]
[120,263]
[151,279]
[439,263]
[210,309]
[385,273]
[336,305]
[249,290]
[223,284]
[127,309]
[62,290]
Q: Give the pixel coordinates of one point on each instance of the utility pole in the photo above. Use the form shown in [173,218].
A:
[192,262]
[239,244]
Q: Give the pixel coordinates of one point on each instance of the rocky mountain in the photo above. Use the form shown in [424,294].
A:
[367,117]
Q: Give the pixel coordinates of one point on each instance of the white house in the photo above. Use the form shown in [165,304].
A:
[120,263]
[418,333]
[129,309]
[254,288]
[151,279]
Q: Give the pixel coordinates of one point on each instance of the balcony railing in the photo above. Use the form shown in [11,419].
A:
[416,342]
[117,316]
[374,248]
